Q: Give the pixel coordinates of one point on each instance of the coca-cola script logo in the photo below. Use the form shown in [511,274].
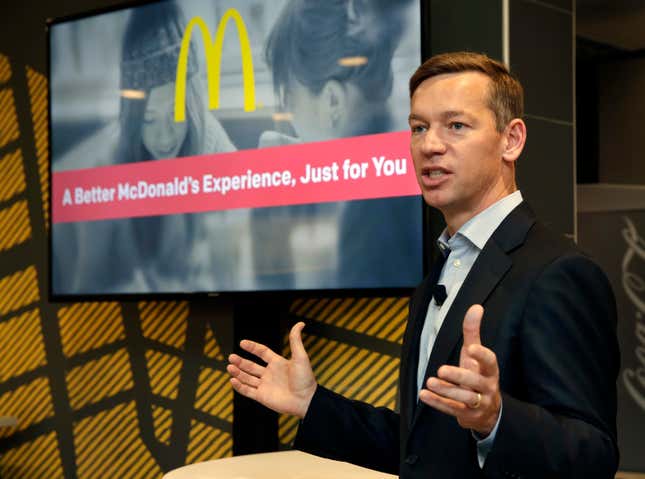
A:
[634,286]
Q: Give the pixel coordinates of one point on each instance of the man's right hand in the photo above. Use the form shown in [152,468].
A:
[283,385]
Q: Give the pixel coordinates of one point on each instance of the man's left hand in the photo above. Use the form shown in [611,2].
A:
[471,391]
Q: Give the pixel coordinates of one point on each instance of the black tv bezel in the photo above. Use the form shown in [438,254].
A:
[432,220]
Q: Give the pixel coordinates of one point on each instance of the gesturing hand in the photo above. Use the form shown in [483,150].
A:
[471,391]
[283,385]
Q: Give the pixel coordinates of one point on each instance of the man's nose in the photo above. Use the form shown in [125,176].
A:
[433,143]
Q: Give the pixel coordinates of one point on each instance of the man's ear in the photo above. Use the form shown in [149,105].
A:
[333,104]
[514,140]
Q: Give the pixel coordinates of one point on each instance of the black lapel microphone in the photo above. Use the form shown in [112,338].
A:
[439,294]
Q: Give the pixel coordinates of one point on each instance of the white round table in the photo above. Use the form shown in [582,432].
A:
[275,465]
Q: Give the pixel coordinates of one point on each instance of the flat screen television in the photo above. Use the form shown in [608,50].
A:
[222,146]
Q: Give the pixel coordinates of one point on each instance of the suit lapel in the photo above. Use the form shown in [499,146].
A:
[490,267]
[488,270]
[411,361]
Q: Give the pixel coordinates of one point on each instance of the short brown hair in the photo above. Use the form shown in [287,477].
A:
[506,96]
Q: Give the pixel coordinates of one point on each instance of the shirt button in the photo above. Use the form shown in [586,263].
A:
[456,263]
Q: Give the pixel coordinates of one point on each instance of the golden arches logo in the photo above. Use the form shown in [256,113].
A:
[214,62]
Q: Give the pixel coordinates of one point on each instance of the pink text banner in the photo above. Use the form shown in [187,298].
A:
[365,167]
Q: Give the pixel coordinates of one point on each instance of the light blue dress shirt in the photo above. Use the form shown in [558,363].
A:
[462,248]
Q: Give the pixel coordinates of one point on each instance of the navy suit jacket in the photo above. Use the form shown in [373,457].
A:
[550,318]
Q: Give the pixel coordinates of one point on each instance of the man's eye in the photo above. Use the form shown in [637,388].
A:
[457,125]
[417,128]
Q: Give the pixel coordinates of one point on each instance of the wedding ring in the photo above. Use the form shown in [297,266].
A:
[476,404]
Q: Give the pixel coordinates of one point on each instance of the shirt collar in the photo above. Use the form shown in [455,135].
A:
[481,227]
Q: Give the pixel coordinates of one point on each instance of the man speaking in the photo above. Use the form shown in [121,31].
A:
[510,356]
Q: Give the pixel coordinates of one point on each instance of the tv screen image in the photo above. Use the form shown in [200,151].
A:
[227,146]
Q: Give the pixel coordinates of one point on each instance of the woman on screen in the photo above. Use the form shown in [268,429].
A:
[148,70]
[331,64]
[162,253]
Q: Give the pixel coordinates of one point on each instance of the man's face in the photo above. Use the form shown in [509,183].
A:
[456,149]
